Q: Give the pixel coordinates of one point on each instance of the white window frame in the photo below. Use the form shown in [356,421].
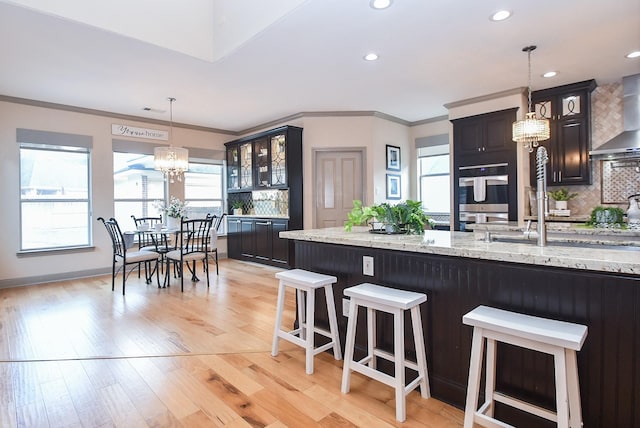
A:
[223,196]
[427,152]
[127,222]
[59,143]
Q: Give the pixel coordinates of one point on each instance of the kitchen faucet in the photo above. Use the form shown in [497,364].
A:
[541,194]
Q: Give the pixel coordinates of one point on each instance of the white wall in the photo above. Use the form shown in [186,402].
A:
[34,268]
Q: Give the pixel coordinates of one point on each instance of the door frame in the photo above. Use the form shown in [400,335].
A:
[314,160]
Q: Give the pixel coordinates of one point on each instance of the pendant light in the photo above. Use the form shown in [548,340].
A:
[531,130]
[172,161]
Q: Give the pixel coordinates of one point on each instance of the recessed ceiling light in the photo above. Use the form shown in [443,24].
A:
[634,54]
[371,57]
[380,4]
[501,15]
[550,74]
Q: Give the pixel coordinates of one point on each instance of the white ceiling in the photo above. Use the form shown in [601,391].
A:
[306,55]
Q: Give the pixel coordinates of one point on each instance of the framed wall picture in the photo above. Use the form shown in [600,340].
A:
[393,186]
[393,158]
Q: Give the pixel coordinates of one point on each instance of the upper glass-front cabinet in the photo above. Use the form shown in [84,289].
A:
[246,166]
[233,169]
[261,158]
[262,161]
[278,160]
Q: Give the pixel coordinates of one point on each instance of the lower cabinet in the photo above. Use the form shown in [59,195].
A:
[258,240]
[233,238]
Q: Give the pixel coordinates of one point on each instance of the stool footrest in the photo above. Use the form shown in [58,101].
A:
[390,357]
[523,405]
[358,366]
[293,336]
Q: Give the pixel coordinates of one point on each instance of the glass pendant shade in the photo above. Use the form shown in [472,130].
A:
[531,130]
[172,161]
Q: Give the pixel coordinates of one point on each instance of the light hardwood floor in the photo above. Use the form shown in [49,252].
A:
[76,354]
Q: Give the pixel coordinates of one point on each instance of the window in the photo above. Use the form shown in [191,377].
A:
[203,190]
[136,186]
[54,191]
[433,179]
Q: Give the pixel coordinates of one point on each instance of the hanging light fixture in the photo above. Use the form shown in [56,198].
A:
[531,130]
[172,161]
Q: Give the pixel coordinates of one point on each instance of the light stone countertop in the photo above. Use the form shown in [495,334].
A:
[623,259]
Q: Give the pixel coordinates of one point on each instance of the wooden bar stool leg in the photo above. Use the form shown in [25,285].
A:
[398,346]
[311,306]
[371,337]
[421,354]
[575,409]
[279,310]
[348,347]
[562,400]
[490,376]
[300,303]
[333,322]
[475,367]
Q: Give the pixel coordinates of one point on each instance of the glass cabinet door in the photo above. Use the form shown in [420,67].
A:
[233,169]
[278,160]
[262,162]
[246,166]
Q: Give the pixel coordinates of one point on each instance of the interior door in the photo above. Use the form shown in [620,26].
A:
[339,179]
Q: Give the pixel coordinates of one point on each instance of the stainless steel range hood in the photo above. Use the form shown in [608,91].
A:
[628,142]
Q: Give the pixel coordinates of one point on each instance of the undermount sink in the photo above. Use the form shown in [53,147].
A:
[564,243]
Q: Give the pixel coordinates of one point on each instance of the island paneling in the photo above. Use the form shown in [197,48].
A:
[607,303]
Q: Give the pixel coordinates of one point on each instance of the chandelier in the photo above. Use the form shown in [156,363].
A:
[531,130]
[172,161]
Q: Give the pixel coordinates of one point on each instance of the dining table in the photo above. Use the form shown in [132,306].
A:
[164,239]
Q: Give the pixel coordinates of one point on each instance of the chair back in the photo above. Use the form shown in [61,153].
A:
[195,235]
[151,221]
[148,239]
[218,222]
[117,239]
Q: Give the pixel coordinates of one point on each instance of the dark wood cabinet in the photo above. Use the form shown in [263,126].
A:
[234,230]
[279,246]
[485,138]
[256,165]
[568,110]
[257,239]
[271,159]
[247,238]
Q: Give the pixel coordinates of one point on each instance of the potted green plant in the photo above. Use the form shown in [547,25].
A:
[237,207]
[607,217]
[404,217]
[561,196]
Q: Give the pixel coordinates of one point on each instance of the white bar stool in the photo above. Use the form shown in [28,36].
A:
[558,338]
[393,301]
[306,283]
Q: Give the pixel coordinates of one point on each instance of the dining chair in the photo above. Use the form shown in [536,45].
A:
[149,241]
[122,257]
[146,241]
[194,244]
[213,244]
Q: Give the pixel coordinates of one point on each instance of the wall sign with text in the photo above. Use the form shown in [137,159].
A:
[132,131]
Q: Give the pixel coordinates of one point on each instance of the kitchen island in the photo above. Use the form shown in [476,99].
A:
[599,288]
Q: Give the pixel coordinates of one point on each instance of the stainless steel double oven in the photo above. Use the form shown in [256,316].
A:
[483,194]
